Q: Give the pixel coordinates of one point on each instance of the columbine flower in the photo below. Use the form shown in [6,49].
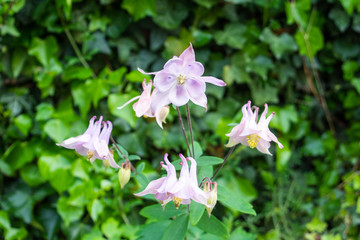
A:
[124,174]
[142,106]
[180,80]
[93,143]
[211,188]
[180,191]
[252,133]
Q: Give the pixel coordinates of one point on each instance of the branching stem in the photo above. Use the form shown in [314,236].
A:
[183,129]
[225,159]
[190,128]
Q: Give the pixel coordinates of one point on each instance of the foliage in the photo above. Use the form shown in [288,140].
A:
[65,61]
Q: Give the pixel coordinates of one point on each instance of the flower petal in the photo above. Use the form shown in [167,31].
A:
[163,81]
[188,55]
[178,95]
[159,100]
[194,69]
[150,73]
[194,87]
[174,66]
[201,101]
[213,80]
[152,187]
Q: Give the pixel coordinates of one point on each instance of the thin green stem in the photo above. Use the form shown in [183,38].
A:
[73,43]
[191,132]
[183,129]
[122,154]
[225,159]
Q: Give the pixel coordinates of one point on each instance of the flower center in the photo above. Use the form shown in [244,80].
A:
[181,79]
[177,202]
[253,140]
[90,154]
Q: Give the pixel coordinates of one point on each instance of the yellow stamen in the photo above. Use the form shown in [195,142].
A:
[253,140]
[181,79]
[177,202]
[90,154]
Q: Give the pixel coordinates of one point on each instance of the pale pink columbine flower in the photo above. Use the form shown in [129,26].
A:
[181,190]
[181,80]
[94,142]
[252,133]
[142,106]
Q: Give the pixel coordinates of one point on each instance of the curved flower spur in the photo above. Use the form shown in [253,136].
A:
[94,142]
[181,80]
[252,133]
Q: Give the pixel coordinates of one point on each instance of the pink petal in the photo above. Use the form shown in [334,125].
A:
[194,68]
[150,73]
[194,87]
[161,115]
[201,101]
[152,187]
[112,161]
[101,148]
[263,146]
[174,66]
[178,95]
[142,106]
[163,81]
[128,102]
[214,81]
[188,55]
[159,100]
[73,141]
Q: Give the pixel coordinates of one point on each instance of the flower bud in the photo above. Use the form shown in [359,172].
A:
[161,115]
[211,189]
[124,174]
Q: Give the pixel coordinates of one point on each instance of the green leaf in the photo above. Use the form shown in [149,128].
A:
[229,199]
[18,154]
[127,113]
[31,175]
[17,61]
[4,220]
[283,156]
[68,212]
[316,225]
[76,72]
[136,76]
[349,5]
[44,50]
[95,208]
[177,228]
[154,230]
[156,212]
[208,160]
[110,228]
[23,122]
[196,212]
[310,42]
[340,18]
[260,65]
[213,225]
[44,111]
[16,233]
[285,43]
[297,11]
[140,9]
[233,35]
[56,130]
[169,14]
[50,220]
[349,68]
[97,89]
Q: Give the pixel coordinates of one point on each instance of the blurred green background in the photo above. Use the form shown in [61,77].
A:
[64,61]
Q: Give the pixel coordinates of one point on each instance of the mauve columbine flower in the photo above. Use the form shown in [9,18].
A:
[181,80]
[94,142]
[181,190]
[142,106]
[252,133]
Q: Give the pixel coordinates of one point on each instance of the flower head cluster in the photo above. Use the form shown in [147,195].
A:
[251,132]
[181,190]
[94,142]
[181,80]
[142,106]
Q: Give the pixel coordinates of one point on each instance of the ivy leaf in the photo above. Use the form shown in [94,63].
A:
[233,35]
[340,18]
[278,45]
[140,8]
[68,212]
[297,11]
[310,42]
[44,50]
[156,212]
[127,113]
[170,14]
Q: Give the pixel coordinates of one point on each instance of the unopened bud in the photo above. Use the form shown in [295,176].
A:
[211,189]
[162,114]
[124,174]
[106,162]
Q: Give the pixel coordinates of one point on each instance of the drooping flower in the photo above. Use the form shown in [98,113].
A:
[142,106]
[251,132]
[181,80]
[181,190]
[124,174]
[94,142]
[211,188]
